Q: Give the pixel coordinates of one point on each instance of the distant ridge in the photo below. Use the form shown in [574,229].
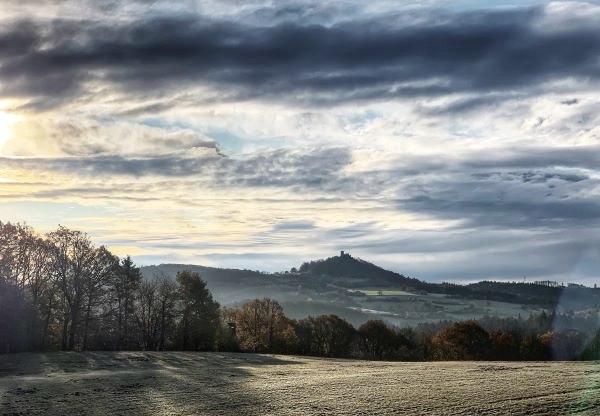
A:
[359,290]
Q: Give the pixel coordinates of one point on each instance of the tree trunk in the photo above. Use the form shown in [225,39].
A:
[65,331]
[74,325]
[86,324]
[47,320]
[161,344]
[119,326]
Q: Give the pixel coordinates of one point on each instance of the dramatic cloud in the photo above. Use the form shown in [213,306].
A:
[444,140]
[311,63]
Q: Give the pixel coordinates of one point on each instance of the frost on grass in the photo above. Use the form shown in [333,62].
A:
[175,383]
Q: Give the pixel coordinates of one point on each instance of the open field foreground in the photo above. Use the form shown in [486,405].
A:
[177,383]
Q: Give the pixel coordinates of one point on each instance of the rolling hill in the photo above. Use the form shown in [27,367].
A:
[358,290]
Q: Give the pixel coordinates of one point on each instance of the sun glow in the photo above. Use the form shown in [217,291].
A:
[6,122]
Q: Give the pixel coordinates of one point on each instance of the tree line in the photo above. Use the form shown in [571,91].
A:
[261,326]
[59,291]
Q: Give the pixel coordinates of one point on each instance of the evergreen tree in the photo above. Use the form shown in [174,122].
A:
[199,313]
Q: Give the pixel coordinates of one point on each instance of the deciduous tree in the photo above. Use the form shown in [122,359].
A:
[465,340]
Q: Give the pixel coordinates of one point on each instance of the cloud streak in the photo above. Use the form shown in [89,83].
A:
[528,188]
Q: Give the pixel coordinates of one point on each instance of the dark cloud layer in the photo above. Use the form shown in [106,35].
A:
[478,52]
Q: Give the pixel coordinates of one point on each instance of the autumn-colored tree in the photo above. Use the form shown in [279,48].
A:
[261,326]
[534,348]
[17,243]
[465,340]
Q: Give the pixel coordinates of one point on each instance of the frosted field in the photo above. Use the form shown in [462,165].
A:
[168,383]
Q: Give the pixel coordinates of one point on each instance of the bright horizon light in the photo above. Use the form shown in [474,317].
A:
[6,122]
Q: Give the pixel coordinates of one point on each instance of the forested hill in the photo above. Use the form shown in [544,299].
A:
[344,271]
[211,274]
[351,272]
[228,285]
[332,280]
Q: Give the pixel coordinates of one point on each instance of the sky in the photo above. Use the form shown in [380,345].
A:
[448,141]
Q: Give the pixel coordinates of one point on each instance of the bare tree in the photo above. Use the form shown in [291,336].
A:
[167,299]
[327,335]
[71,252]
[148,313]
[100,269]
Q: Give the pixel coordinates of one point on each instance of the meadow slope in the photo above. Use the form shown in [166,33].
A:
[179,383]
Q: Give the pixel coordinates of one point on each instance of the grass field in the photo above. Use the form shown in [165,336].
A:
[247,384]
[383,292]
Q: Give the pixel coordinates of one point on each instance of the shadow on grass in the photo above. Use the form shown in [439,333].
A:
[134,383]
